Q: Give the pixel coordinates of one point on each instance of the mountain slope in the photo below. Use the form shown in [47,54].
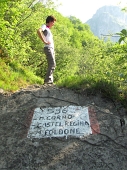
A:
[108,20]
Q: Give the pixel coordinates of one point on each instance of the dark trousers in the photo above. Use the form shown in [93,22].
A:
[50,56]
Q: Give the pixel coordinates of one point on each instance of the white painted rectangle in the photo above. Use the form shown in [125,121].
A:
[60,122]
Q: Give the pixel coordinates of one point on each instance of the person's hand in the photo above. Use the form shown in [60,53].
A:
[47,42]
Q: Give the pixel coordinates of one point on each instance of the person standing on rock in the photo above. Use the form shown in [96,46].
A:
[46,36]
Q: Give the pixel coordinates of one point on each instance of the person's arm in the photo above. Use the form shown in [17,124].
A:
[41,36]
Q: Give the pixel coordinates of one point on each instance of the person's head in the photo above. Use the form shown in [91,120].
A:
[50,20]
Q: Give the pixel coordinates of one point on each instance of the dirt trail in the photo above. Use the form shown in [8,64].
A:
[106,150]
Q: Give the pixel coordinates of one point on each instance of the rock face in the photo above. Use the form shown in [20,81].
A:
[101,151]
[108,20]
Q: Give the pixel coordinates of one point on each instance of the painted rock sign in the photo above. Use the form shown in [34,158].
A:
[60,122]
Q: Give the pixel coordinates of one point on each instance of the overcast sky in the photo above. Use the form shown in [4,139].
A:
[85,9]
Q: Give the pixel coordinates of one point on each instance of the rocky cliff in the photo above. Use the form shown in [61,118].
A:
[108,20]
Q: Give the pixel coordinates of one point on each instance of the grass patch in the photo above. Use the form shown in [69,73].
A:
[14,77]
[108,89]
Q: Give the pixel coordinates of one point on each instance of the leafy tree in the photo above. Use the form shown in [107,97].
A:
[123,35]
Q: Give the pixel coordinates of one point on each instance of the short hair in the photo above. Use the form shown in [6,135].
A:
[50,19]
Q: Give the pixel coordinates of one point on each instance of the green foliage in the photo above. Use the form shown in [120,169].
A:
[123,36]
[83,61]
[14,76]
[107,88]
